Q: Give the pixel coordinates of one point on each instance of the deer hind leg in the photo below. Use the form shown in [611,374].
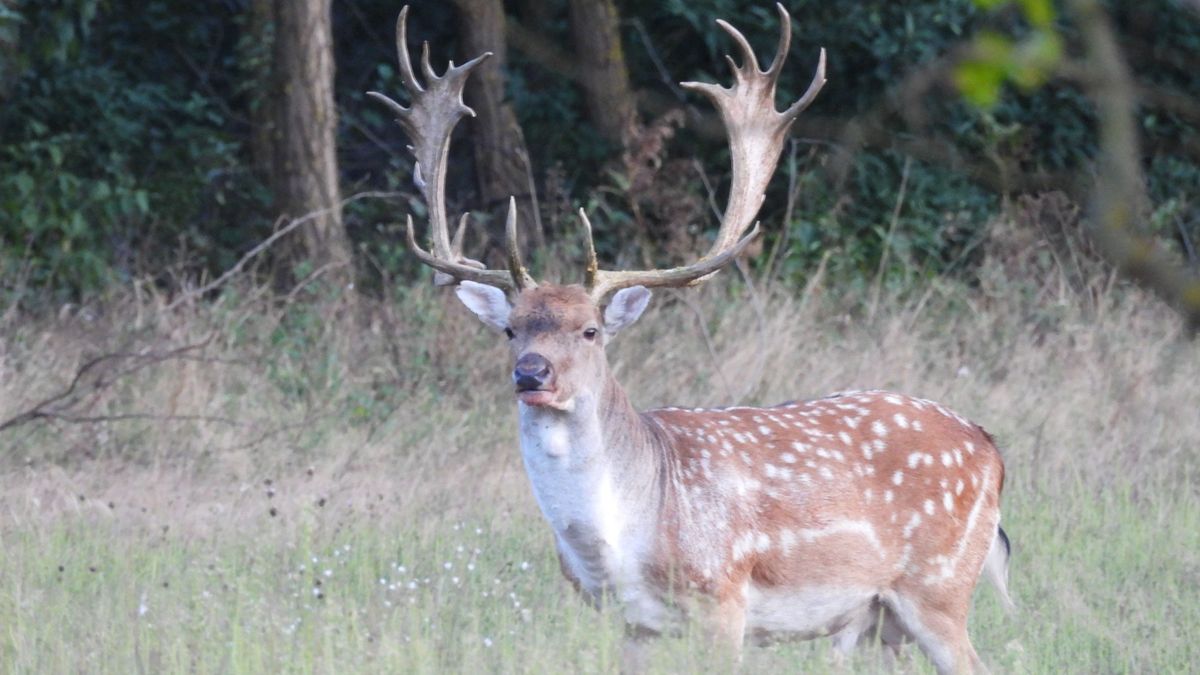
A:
[876,626]
[940,631]
[860,630]
[635,649]
[887,632]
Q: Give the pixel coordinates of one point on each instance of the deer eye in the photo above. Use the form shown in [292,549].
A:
[589,334]
[508,332]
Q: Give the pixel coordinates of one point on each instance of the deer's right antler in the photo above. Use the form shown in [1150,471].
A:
[435,111]
[756,135]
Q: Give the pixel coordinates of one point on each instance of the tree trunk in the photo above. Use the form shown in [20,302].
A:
[10,47]
[610,103]
[299,152]
[255,59]
[501,160]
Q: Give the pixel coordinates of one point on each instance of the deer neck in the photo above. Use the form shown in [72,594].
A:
[595,473]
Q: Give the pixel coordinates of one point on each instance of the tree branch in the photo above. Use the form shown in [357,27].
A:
[1120,193]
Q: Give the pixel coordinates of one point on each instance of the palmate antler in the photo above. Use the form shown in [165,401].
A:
[436,109]
[756,135]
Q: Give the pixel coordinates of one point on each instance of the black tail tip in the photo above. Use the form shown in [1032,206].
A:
[1004,540]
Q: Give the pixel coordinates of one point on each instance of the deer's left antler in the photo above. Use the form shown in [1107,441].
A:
[756,137]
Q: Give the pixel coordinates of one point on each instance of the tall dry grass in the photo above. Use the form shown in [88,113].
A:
[1096,387]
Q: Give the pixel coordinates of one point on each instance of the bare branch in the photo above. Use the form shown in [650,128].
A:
[59,405]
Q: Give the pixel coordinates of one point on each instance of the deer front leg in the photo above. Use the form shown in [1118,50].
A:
[724,624]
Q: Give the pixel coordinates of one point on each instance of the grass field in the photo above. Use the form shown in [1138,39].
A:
[334,486]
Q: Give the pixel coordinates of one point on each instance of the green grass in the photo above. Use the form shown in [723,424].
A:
[1105,583]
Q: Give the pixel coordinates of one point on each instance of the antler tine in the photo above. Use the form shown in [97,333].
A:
[436,109]
[520,277]
[749,60]
[785,41]
[406,70]
[461,269]
[607,281]
[756,135]
[592,267]
[428,69]
[810,94]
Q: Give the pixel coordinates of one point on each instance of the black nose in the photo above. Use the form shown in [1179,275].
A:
[531,372]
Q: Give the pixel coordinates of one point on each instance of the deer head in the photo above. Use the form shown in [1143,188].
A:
[558,332]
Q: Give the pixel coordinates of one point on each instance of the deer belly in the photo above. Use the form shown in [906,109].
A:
[804,612]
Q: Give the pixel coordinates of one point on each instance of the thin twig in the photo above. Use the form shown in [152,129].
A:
[125,417]
[55,407]
[269,241]
[793,196]
[686,299]
[760,314]
[652,52]
[708,189]
[887,242]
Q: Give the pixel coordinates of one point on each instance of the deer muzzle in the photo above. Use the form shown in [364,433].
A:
[534,378]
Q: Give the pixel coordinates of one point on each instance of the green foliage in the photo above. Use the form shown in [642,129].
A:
[109,148]
[125,127]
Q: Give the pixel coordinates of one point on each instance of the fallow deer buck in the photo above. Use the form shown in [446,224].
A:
[861,516]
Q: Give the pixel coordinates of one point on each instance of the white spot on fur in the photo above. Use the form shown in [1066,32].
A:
[888,496]
[958,487]
[788,458]
[898,477]
[879,428]
[787,539]
[947,459]
[950,563]
[914,458]
[947,501]
[929,507]
[900,420]
[762,543]
[911,525]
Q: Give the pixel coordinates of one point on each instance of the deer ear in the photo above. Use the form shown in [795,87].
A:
[626,306]
[487,302]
